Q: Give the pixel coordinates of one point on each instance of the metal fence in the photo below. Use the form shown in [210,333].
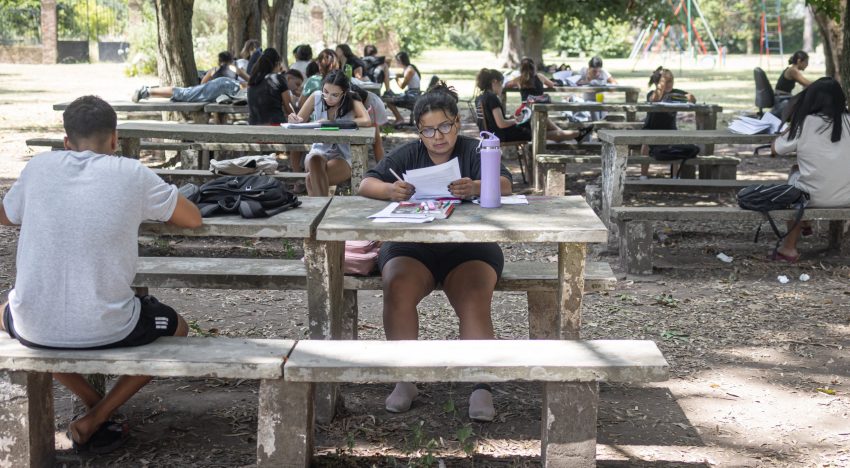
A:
[81,22]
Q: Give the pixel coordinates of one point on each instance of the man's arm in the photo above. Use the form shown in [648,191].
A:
[186,214]
[4,220]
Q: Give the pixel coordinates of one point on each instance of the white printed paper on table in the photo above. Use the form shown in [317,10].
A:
[433,182]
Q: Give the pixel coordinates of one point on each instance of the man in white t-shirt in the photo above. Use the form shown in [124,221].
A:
[79,212]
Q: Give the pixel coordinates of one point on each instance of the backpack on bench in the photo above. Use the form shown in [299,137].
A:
[765,198]
[252,196]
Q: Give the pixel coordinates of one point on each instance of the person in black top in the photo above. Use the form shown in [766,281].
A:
[529,82]
[788,79]
[662,81]
[377,68]
[410,271]
[226,69]
[266,87]
[345,57]
[492,117]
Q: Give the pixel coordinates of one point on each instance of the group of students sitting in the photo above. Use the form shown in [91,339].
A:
[97,306]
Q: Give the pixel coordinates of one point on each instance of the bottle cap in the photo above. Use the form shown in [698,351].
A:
[489,140]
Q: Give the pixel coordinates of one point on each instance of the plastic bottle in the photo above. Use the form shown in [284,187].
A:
[491,161]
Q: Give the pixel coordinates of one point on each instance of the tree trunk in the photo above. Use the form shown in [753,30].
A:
[833,42]
[277,27]
[532,31]
[243,23]
[844,53]
[808,31]
[511,45]
[176,60]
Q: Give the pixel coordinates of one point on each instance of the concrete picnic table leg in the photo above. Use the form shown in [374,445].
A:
[323,261]
[26,409]
[554,315]
[568,425]
[631,114]
[359,165]
[200,117]
[632,97]
[130,147]
[614,160]
[285,423]
[706,120]
[538,141]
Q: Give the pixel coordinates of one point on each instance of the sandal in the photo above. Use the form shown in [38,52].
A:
[778,256]
[108,437]
[584,132]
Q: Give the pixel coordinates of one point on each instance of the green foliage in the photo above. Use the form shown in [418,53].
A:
[604,36]
[143,46]
[831,8]
[19,21]
[91,19]
[416,26]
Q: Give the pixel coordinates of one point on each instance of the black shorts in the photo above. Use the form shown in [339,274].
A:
[521,132]
[440,259]
[155,319]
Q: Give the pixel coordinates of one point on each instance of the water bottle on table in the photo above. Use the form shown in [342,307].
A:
[491,162]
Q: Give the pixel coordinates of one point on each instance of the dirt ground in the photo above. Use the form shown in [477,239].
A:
[760,373]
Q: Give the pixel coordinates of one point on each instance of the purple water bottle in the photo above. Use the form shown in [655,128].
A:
[491,162]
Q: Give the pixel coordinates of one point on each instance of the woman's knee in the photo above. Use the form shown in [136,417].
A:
[182,327]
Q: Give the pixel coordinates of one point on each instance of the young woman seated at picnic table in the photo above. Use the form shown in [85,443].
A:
[788,79]
[329,164]
[326,62]
[303,56]
[267,87]
[819,133]
[594,75]
[662,82]
[529,81]
[377,66]
[249,49]
[226,69]
[346,58]
[410,81]
[507,129]
[291,98]
[410,271]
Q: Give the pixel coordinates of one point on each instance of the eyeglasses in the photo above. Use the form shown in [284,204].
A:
[431,132]
[331,95]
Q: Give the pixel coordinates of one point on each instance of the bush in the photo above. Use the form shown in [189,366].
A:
[606,37]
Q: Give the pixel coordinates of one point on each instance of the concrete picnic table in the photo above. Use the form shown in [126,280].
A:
[298,223]
[632,92]
[615,150]
[131,133]
[194,109]
[706,119]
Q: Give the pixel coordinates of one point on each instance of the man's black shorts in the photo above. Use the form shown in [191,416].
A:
[155,319]
[442,258]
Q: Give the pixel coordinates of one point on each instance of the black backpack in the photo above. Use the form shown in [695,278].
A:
[252,196]
[765,198]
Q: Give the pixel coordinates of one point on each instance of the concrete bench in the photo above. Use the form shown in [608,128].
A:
[179,177]
[691,185]
[599,125]
[710,168]
[59,144]
[539,280]
[569,370]
[635,227]
[26,399]
[289,371]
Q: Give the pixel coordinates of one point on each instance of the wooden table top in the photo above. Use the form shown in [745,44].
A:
[544,219]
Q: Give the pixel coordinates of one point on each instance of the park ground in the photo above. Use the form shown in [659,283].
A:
[760,373]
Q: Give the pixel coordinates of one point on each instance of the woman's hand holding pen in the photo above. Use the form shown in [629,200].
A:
[294,118]
[400,190]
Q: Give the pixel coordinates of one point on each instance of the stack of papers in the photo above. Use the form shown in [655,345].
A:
[433,182]
[302,125]
[412,212]
[744,125]
[571,80]
[509,200]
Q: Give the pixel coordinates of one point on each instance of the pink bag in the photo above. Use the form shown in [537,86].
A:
[361,257]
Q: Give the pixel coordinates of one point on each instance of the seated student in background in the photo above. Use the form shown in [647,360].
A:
[410,271]
[329,164]
[294,81]
[303,56]
[662,82]
[347,59]
[77,256]
[529,81]
[489,82]
[378,114]
[410,81]
[326,62]
[206,92]
[594,75]
[226,69]
[250,47]
[267,88]
[819,133]
[788,79]
[377,69]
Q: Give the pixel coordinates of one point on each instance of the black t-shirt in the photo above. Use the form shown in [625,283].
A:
[414,155]
[265,104]
[487,102]
[536,88]
[662,120]
[225,72]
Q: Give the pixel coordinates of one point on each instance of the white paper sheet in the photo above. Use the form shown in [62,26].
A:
[302,125]
[387,212]
[509,200]
[433,182]
[404,220]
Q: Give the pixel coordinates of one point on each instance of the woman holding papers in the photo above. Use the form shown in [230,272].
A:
[410,271]
[788,79]
[819,133]
[330,164]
